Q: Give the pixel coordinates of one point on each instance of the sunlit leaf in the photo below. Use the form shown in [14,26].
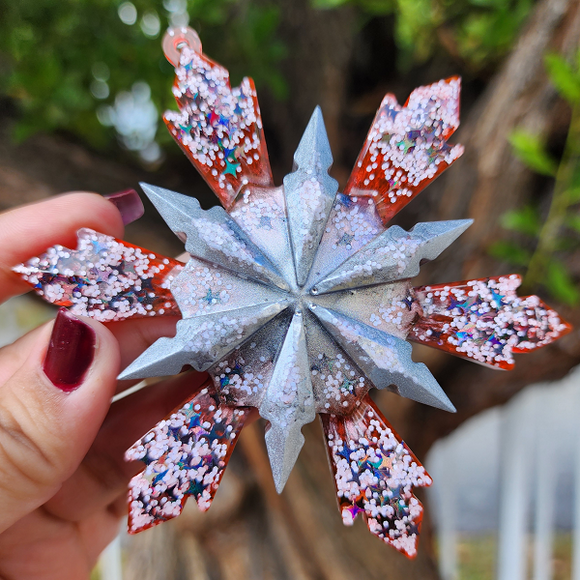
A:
[510,252]
[326,4]
[531,151]
[564,77]
[525,220]
[573,222]
[560,283]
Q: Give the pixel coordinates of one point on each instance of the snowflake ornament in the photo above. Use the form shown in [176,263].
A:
[296,299]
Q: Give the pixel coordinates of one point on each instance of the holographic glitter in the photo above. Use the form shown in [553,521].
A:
[186,455]
[375,473]
[297,300]
[485,320]
[105,278]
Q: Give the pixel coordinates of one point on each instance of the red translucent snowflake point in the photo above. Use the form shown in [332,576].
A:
[219,128]
[186,456]
[406,147]
[484,320]
[374,474]
[105,278]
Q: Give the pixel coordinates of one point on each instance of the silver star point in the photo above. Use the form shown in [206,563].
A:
[297,341]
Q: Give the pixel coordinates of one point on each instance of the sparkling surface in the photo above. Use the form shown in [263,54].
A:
[406,147]
[374,473]
[485,320]
[298,301]
[186,455]
[105,278]
[218,128]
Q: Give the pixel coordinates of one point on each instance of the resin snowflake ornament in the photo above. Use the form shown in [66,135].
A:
[296,299]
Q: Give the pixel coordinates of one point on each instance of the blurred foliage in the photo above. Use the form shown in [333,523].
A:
[60,60]
[552,237]
[479,32]
[530,149]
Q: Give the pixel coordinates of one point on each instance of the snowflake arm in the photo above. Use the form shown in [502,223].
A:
[104,278]
[374,474]
[384,358]
[217,127]
[485,320]
[213,235]
[406,148]
[310,194]
[394,255]
[186,455]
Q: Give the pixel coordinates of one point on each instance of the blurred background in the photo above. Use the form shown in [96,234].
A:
[82,86]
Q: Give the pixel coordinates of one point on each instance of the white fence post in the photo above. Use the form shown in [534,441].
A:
[514,489]
[441,469]
[545,475]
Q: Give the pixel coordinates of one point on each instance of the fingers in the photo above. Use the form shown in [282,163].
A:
[51,409]
[104,474]
[29,230]
[136,335]
[40,546]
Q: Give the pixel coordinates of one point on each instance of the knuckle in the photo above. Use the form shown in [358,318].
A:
[25,462]
[110,472]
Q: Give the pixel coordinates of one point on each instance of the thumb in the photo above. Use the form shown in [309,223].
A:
[51,408]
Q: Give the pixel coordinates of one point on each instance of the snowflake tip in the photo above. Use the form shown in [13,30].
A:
[213,236]
[393,255]
[288,404]
[310,193]
[314,151]
[385,359]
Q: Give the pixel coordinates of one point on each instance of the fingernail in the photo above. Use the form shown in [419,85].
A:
[70,351]
[128,203]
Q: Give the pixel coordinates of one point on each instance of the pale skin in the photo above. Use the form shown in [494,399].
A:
[62,475]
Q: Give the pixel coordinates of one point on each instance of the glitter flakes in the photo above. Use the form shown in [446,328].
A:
[104,278]
[374,473]
[485,320]
[213,235]
[201,341]
[393,255]
[186,455]
[406,147]
[218,128]
[288,403]
[385,359]
[298,301]
[310,194]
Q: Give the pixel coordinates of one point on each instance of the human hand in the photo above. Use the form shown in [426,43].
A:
[62,474]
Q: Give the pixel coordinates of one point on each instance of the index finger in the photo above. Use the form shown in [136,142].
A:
[30,229]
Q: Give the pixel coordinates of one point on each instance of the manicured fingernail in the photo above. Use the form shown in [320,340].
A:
[128,203]
[71,351]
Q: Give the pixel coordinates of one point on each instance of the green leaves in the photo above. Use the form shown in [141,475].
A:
[48,50]
[526,221]
[557,236]
[530,149]
[510,252]
[564,76]
[560,283]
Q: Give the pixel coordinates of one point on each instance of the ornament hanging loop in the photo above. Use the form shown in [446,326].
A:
[176,39]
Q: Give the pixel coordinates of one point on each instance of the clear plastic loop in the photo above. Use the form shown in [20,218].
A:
[176,39]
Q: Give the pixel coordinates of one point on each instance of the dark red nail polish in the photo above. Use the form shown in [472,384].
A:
[128,203]
[71,351]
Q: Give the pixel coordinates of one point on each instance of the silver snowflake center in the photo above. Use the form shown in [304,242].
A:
[298,300]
